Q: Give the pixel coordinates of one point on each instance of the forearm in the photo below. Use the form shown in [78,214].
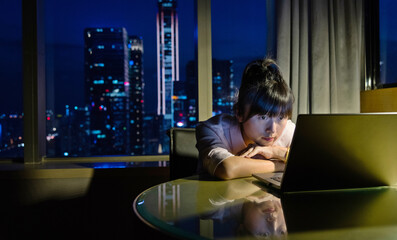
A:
[272,152]
[237,189]
[236,166]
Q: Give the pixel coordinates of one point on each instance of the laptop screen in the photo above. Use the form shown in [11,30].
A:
[342,151]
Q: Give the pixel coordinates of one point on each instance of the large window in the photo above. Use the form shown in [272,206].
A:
[11,109]
[240,34]
[92,109]
[388,43]
[118,75]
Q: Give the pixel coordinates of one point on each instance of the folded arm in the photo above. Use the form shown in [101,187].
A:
[237,166]
[266,152]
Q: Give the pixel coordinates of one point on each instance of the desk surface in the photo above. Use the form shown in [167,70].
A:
[197,207]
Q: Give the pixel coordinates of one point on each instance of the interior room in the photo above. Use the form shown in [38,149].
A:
[94,93]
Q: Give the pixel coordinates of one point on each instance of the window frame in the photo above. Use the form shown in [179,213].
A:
[372,45]
[33,61]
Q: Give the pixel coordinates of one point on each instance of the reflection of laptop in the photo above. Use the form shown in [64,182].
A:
[338,151]
[366,213]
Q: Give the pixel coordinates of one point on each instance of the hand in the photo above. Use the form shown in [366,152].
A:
[261,152]
[255,151]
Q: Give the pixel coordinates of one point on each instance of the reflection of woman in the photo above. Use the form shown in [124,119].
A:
[242,209]
[262,217]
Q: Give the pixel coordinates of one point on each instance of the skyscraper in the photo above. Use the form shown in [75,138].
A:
[167,64]
[185,98]
[222,86]
[180,101]
[107,90]
[137,84]
[74,128]
[223,89]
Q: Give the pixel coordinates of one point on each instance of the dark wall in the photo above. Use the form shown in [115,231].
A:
[97,207]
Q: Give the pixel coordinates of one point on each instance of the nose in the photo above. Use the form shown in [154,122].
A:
[271,222]
[271,126]
[271,217]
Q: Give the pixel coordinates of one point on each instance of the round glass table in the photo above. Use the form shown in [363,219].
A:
[201,207]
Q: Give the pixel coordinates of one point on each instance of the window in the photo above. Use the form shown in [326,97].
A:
[239,35]
[388,43]
[117,75]
[11,101]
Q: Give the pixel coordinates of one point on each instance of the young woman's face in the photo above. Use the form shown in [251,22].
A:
[264,219]
[263,130]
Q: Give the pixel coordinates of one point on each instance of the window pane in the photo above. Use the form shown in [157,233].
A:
[112,72]
[11,101]
[388,43]
[239,35]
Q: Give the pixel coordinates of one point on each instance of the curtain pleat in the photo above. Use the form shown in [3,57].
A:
[320,51]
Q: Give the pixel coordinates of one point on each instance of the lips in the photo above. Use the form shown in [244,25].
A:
[269,210]
[268,139]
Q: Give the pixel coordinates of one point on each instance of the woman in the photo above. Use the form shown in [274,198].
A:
[258,137]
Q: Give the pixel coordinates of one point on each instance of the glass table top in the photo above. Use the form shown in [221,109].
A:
[206,208]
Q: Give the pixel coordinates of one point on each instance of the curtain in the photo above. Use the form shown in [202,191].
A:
[320,50]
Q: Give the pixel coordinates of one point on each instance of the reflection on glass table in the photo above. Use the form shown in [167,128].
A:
[206,208]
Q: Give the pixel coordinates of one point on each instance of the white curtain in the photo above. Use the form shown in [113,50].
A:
[320,50]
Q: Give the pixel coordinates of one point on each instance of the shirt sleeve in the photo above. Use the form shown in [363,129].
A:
[212,147]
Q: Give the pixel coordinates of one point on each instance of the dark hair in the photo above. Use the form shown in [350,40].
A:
[264,91]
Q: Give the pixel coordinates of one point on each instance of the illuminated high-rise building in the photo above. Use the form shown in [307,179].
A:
[223,89]
[11,135]
[107,90]
[137,84]
[222,86]
[167,64]
[180,101]
[192,93]
[74,128]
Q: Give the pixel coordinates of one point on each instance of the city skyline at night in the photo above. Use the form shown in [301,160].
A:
[96,120]
[65,46]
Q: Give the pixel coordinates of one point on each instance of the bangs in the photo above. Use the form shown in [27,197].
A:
[272,107]
[275,102]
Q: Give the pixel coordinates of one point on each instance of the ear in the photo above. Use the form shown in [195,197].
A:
[239,117]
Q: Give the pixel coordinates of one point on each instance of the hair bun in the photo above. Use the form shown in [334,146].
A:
[261,70]
[271,70]
[267,62]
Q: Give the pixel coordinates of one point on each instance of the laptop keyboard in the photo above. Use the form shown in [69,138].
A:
[276,178]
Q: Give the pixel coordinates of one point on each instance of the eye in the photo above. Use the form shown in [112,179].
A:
[265,234]
[264,117]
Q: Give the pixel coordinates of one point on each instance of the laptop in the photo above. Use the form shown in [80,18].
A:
[339,151]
